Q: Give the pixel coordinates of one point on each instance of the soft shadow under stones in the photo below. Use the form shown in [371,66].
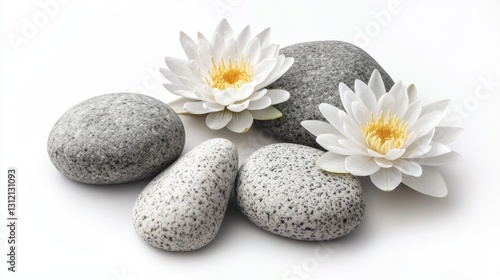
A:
[236,228]
[134,187]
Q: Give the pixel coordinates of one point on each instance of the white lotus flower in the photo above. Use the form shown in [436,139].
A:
[388,136]
[225,77]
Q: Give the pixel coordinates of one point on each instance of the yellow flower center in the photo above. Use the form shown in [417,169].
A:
[385,135]
[233,75]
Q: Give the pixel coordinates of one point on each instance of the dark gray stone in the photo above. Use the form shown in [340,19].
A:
[313,79]
[183,207]
[116,138]
[280,189]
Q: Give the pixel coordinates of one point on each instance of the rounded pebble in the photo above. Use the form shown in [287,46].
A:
[183,207]
[280,189]
[313,79]
[116,138]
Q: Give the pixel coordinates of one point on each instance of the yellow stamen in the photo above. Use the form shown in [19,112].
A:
[385,135]
[233,75]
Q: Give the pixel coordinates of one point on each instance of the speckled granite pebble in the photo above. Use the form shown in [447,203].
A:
[313,79]
[116,138]
[183,207]
[280,189]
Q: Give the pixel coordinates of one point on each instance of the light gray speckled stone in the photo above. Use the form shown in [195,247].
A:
[313,79]
[116,138]
[183,207]
[280,189]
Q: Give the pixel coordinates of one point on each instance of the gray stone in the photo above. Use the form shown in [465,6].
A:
[116,138]
[280,189]
[313,79]
[183,207]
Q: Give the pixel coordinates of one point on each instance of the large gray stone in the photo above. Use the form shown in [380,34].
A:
[280,189]
[116,138]
[313,79]
[183,207]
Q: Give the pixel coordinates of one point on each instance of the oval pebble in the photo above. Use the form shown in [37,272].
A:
[313,79]
[280,189]
[183,207]
[116,138]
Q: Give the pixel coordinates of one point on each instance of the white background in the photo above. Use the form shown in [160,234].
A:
[82,49]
